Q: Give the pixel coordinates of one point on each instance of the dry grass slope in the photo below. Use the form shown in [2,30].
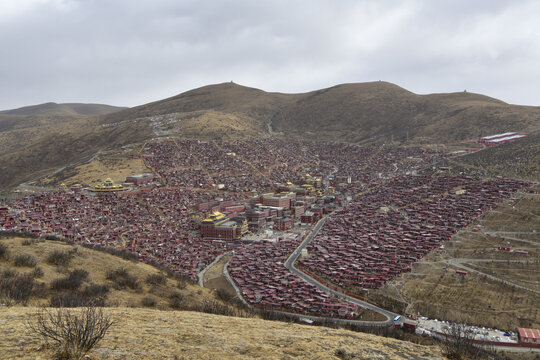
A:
[99,265]
[154,334]
[517,159]
[59,146]
[94,172]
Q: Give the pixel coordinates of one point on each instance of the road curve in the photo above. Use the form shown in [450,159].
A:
[289,264]
[301,316]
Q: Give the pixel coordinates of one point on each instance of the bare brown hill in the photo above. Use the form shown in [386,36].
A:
[363,112]
[48,136]
[517,159]
[225,97]
[223,110]
[376,111]
[52,108]
[384,111]
[54,151]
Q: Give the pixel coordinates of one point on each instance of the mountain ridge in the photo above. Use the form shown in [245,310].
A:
[378,111]
[52,108]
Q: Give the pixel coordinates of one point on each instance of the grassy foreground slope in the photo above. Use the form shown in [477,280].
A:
[154,334]
[128,282]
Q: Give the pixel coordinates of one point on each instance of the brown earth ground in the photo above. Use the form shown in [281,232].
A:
[434,289]
[154,334]
[214,279]
[217,125]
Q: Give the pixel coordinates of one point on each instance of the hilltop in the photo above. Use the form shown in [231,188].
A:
[376,111]
[383,111]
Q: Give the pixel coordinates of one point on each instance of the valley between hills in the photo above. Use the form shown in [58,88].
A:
[360,202]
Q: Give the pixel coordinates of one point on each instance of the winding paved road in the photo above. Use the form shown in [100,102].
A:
[289,264]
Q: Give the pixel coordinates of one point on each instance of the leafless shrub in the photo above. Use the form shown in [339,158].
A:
[343,354]
[156,279]
[176,300]
[73,299]
[223,295]
[458,343]
[37,272]
[212,306]
[148,301]
[25,260]
[72,282]
[130,282]
[94,290]
[123,279]
[15,288]
[4,252]
[181,284]
[28,242]
[58,257]
[113,274]
[8,273]
[73,333]
[79,274]
[40,290]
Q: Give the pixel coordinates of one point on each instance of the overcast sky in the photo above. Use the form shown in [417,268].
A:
[130,52]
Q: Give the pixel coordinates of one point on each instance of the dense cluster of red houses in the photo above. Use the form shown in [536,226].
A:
[381,233]
[239,166]
[154,223]
[261,165]
[265,282]
[373,239]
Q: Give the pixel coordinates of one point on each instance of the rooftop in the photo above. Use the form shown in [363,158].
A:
[525,333]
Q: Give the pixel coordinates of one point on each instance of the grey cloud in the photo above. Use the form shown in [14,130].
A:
[132,52]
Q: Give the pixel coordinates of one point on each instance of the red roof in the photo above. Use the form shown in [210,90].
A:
[525,333]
